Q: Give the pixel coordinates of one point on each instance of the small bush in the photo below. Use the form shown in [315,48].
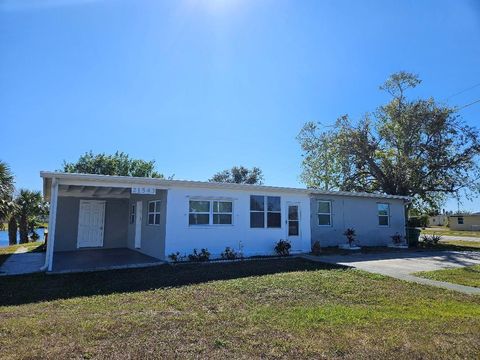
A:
[283,247]
[229,254]
[397,238]
[316,248]
[203,255]
[418,221]
[175,257]
[350,234]
[34,236]
[431,239]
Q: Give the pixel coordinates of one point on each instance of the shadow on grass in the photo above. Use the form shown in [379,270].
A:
[16,290]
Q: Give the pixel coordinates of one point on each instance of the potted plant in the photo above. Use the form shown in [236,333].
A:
[350,234]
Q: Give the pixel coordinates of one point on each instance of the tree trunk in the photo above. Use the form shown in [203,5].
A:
[12,231]
[23,228]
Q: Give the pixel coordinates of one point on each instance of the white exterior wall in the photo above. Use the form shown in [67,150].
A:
[182,237]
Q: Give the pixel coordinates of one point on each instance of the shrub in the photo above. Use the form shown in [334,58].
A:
[431,239]
[316,249]
[397,238]
[203,255]
[229,254]
[283,247]
[175,257]
[34,236]
[350,234]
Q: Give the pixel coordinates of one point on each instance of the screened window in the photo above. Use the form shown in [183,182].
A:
[460,220]
[324,213]
[132,214]
[210,212]
[383,214]
[265,211]
[154,212]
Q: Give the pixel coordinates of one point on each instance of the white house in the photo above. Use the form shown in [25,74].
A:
[143,220]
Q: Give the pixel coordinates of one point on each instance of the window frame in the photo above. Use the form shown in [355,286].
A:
[156,211]
[133,213]
[211,212]
[458,220]
[322,213]
[265,212]
[379,216]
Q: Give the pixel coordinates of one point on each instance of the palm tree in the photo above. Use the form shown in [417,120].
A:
[30,207]
[12,230]
[6,191]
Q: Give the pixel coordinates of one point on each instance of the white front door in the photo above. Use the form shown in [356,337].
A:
[138,225]
[91,221]
[293,221]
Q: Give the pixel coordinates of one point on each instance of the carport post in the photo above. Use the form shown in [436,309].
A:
[52,220]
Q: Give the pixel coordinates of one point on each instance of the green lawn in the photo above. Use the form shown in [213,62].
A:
[448,232]
[455,245]
[469,276]
[288,308]
[6,251]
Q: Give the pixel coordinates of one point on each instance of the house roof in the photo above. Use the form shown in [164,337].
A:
[129,181]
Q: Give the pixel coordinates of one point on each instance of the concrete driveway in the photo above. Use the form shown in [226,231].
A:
[401,265]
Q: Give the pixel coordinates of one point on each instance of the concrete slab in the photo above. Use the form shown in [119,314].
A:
[100,259]
[23,263]
[401,265]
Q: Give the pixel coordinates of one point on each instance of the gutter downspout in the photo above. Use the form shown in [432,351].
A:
[51,226]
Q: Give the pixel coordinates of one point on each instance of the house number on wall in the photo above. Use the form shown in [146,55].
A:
[144,190]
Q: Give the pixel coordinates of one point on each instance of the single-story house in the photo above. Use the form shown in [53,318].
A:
[146,219]
[438,220]
[464,222]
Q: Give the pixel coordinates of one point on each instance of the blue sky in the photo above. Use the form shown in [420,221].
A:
[202,85]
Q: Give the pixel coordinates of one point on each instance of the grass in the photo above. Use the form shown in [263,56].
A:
[6,251]
[469,276]
[448,232]
[452,245]
[284,308]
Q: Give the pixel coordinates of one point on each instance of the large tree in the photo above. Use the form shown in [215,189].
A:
[116,164]
[6,191]
[239,175]
[414,147]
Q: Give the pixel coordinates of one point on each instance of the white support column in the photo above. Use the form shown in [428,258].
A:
[52,222]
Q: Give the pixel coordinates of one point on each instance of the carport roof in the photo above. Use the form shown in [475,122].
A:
[130,181]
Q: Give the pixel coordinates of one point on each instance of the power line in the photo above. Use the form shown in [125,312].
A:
[462,91]
[472,103]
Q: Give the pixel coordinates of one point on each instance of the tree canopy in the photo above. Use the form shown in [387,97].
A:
[6,190]
[413,147]
[239,175]
[117,164]
[30,207]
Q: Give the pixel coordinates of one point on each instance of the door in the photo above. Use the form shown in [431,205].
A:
[91,221]
[293,221]
[138,225]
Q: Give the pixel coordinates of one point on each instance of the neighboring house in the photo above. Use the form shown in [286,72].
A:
[157,217]
[464,222]
[438,220]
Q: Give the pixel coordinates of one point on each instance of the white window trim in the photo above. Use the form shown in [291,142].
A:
[329,213]
[211,212]
[265,212]
[154,212]
[387,216]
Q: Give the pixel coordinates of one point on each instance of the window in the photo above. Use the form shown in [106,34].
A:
[210,212]
[460,220]
[324,213]
[383,214]
[132,214]
[265,210]
[154,212]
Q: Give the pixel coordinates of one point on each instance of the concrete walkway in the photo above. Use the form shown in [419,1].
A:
[22,262]
[401,265]
[462,238]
